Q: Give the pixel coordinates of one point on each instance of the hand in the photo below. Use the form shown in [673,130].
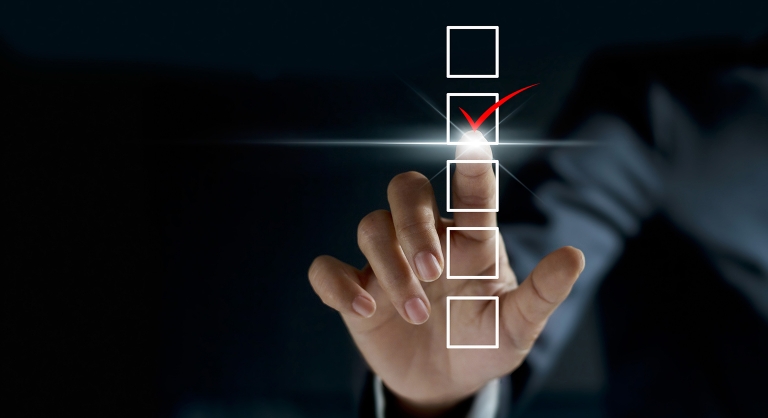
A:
[395,306]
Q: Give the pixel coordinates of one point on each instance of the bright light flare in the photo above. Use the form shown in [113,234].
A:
[473,142]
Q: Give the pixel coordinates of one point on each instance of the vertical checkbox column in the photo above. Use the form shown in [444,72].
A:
[471,52]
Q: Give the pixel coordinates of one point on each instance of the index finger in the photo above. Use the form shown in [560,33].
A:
[474,185]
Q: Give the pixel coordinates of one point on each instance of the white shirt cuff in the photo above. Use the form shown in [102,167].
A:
[485,404]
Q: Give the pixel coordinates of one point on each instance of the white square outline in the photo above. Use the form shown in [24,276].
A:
[448,53]
[448,321]
[448,185]
[448,251]
[448,114]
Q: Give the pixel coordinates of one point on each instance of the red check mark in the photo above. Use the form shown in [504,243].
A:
[484,116]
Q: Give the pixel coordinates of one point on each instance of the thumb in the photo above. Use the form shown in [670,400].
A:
[525,310]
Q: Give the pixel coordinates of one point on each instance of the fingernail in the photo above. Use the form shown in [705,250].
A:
[583,261]
[363,306]
[416,311]
[427,266]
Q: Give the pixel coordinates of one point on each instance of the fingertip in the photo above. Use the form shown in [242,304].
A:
[473,146]
[427,266]
[473,136]
[572,259]
[364,306]
[416,311]
[313,266]
[406,181]
[583,261]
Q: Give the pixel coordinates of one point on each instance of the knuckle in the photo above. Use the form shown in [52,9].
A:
[475,197]
[481,200]
[328,297]
[475,170]
[539,292]
[372,226]
[417,228]
[474,202]
[524,337]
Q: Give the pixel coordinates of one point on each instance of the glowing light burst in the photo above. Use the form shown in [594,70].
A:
[512,113]
[399,142]
[427,101]
[521,183]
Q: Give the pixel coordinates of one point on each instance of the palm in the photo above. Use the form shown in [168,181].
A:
[423,369]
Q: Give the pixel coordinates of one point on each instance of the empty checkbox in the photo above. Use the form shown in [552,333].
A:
[472,51]
[455,272]
[493,207]
[467,335]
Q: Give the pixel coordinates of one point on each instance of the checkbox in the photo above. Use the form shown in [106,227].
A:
[448,274]
[449,299]
[448,186]
[474,50]
[475,104]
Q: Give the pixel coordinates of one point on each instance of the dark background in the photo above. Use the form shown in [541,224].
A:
[157,268]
